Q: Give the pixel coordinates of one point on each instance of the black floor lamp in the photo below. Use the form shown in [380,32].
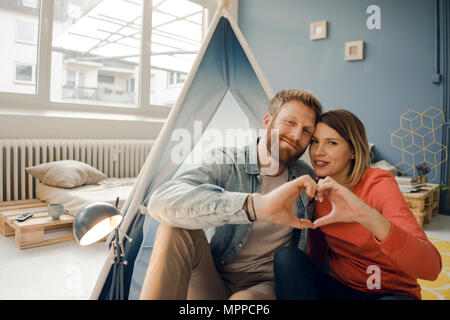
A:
[94,222]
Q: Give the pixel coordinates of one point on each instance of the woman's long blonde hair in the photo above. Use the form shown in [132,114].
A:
[352,130]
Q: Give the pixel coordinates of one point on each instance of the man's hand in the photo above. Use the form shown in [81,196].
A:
[278,205]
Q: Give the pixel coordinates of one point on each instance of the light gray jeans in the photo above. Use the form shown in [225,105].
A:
[181,267]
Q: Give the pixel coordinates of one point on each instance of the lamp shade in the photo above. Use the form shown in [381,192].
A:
[95,221]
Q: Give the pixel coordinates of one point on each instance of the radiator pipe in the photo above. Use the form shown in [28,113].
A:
[436,77]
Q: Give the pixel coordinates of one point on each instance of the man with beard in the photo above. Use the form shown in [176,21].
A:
[221,222]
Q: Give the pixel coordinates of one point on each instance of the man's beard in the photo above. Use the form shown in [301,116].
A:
[285,155]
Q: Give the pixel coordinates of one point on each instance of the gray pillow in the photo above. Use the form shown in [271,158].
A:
[66,173]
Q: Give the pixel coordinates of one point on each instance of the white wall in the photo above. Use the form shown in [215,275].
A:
[32,120]
[28,126]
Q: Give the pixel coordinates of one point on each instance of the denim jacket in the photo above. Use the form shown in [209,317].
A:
[211,195]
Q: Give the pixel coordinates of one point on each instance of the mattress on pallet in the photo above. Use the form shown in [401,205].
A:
[77,198]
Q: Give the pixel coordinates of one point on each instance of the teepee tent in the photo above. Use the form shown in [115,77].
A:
[225,75]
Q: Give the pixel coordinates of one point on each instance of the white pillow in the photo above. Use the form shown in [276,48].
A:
[385,165]
[66,173]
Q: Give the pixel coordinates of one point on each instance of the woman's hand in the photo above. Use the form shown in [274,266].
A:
[278,205]
[347,207]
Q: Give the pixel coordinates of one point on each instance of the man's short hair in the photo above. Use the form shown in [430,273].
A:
[304,97]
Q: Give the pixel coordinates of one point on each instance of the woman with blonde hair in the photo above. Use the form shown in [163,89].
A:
[363,225]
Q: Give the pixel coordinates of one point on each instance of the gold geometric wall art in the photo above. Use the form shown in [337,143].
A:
[418,141]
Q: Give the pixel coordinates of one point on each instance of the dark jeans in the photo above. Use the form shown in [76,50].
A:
[297,277]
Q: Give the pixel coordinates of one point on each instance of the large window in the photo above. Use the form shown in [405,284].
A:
[178,27]
[19,25]
[102,39]
[125,53]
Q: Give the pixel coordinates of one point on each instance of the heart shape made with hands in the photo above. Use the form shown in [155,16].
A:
[345,205]
[278,205]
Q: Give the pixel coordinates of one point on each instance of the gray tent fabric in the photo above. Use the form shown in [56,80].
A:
[225,66]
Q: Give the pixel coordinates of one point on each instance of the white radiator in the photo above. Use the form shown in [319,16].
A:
[115,158]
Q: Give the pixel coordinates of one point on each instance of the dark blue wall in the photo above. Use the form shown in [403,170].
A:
[394,76]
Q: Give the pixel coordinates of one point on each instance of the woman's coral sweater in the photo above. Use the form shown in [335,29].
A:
[403,257]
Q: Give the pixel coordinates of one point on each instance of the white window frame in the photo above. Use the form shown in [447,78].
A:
[41,99]
[35,34]
[33,73]
[100,75]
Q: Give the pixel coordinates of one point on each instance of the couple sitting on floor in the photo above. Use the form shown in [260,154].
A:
[263,228]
